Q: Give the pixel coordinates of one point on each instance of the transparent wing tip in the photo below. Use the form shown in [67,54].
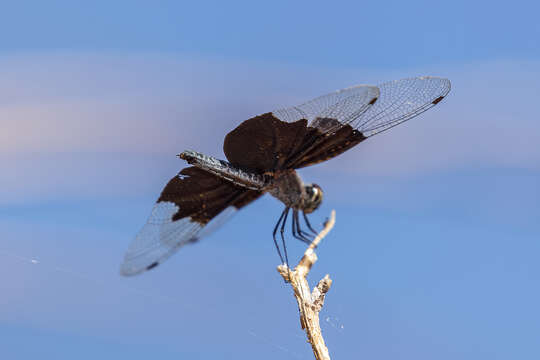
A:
[128,269]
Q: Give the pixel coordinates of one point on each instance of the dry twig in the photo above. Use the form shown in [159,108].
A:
[310,303]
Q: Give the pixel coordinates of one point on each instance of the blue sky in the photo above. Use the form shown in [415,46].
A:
[346,33]
[434,254]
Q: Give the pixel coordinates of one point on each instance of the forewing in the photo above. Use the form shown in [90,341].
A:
[399,101]
[192,205]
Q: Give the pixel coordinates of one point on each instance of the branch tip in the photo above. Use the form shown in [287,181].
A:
[310,303]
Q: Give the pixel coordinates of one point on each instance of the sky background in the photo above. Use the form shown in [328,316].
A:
[435,250]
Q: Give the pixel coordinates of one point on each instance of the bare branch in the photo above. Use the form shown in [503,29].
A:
[310,303]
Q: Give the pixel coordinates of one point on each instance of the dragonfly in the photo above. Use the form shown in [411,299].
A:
[263,154]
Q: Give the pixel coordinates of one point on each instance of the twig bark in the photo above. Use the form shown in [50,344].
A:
[310,303]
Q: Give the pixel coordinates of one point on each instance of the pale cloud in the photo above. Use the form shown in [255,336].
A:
[53,176]
[99,124]
[147,103]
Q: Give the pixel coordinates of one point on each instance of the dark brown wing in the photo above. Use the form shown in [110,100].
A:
[264,143]
[320,146]
[191,205]
[277,140]
[337,122]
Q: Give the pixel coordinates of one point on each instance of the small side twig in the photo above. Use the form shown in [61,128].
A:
[310,303]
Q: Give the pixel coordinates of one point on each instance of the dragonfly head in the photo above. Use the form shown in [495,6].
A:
[313,199]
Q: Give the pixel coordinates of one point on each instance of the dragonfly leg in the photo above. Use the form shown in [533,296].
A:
[282,230]
[274,234]
[308,224]
[297,232]
[304,234]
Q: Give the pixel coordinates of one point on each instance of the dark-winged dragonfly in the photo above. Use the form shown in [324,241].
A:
[263,154]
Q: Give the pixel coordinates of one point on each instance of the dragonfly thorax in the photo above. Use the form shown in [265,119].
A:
[288,187]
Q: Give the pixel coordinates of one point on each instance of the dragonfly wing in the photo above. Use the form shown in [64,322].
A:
[191,206]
